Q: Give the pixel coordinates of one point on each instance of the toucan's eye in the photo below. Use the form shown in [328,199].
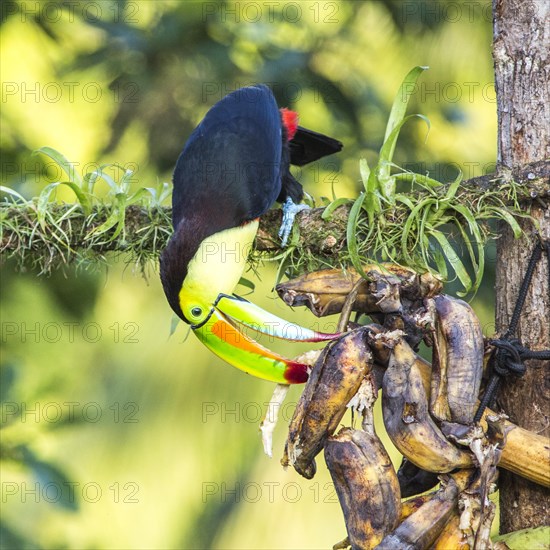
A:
[196,312]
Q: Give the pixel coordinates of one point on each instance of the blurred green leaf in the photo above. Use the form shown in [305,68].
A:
[62,162]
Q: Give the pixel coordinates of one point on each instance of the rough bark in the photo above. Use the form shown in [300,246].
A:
[522,69]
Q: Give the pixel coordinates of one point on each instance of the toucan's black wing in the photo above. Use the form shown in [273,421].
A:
[307,146]
[230,169]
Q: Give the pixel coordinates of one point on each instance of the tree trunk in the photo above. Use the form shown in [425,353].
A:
[521,53]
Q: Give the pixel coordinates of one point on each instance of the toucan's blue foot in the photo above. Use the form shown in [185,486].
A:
[289,213]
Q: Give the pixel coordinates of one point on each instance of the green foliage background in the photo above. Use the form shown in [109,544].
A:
[127,82]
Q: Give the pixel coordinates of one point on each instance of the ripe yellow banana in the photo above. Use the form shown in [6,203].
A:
[457,364]
[366,484]
[452,537]
[334,380]
[406,416]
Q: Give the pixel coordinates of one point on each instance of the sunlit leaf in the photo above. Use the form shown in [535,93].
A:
[402,98]
[62,162]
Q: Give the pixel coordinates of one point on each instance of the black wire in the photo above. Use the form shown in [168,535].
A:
[509,353]
[522,294]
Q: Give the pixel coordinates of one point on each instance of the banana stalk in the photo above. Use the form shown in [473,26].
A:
[334,380]
[366,484]
[407,419]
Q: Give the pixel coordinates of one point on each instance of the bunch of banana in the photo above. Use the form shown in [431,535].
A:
[366,485]
[388,288]
[407,418]
[457,364]
[526,453]
[334,380]
[428,412]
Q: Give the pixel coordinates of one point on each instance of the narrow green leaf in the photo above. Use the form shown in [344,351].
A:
[351,234]
[364,170]
[454,260]
[413,217]
[43,200]
[88,182]
[81,196]
[137,196]
[328,211]
[282,264]
[108,224]
[505,215]
[387,150]
[62,162]
[400,197]
[372,199]
[247,283]
[421,179]
[441,264]
[473,226]
[401,101]
[101,174]
[453,188]
[13,193]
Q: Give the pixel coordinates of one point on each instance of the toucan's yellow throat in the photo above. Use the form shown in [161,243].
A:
[215,269]
[205,301]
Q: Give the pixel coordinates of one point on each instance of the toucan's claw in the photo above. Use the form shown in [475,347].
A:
[290,209]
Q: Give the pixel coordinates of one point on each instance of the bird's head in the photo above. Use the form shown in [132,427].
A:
[199,279]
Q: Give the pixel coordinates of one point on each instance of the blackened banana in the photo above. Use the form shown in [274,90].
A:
[423,527]
[457,364]
[334,380]
[388,288]
[407,419]
[366,484]
[414,480]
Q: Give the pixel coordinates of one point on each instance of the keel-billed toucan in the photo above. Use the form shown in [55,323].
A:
[233,168]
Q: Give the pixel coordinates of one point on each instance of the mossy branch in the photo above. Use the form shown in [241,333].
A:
[47,235]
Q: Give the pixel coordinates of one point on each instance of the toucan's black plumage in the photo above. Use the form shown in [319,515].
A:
[234,167]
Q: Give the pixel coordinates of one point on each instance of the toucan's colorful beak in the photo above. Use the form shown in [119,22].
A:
[221,335]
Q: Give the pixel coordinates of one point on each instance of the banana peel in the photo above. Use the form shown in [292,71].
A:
[526,453]
[407,418]
[535,539]
[366,485]
[334,380]
[423,527]
[457,363]
[388,287]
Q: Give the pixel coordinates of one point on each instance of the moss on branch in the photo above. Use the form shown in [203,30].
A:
[48,236]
